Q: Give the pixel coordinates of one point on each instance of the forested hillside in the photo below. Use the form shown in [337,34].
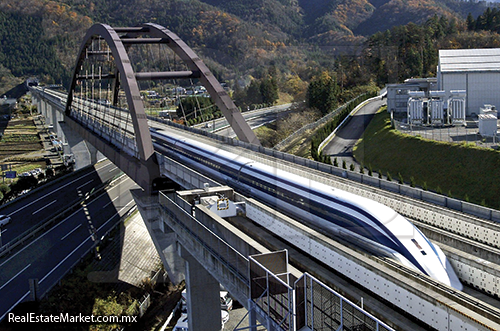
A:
[289,41]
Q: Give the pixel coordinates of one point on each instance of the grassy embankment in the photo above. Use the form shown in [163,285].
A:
[463,171]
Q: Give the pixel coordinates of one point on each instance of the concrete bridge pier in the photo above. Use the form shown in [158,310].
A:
[164,239]
[41,107]
[93,153]
[52,112]
[203,295]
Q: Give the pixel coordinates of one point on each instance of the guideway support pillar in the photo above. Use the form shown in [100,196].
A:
[203,296]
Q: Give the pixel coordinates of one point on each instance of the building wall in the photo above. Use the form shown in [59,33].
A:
[482,88]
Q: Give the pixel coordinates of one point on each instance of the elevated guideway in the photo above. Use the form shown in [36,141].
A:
[189,179]
[424,295]
[122,132]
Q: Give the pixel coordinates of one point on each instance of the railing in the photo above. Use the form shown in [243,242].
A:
[234,261]
[320,308]
[468,134]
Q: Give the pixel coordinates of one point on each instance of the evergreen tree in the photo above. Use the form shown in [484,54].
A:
[269,91]
[471,23]
[323,93]
[254,95]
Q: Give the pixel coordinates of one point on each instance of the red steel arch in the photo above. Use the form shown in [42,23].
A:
[127,78]
[144,169]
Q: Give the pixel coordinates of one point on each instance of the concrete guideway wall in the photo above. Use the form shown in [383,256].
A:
[435,309]
[382,191]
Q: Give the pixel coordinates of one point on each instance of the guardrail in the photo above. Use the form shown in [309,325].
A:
[427,196]
[334,132]
[37,229]
[309,126]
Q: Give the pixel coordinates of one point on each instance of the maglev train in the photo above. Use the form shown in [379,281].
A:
[362,222]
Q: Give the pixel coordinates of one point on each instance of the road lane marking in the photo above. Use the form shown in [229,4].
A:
[79,187]
[43,235]
[56,226]
[110,202]
[51,271]
[59,188]
[69,233]
[39,210]
[15,276]
[18,301]
[113,169]
[83,242]
[126,205]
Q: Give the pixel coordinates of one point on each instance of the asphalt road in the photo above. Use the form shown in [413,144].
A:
[254,119]
[341,146]
[49,256]
[38,206]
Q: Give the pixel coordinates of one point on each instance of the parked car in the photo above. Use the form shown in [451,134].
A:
[226,302]
[4,219]
[182,322]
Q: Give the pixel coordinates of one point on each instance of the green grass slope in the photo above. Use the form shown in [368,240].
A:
[462,170]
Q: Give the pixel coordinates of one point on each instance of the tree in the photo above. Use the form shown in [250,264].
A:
[253,93]
[25,183]
[269,91]
[323,93]
[471,23]
[49,172]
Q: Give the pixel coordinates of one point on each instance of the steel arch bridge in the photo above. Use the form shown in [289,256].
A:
[119,129]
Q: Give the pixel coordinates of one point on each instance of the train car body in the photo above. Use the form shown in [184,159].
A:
[362,222]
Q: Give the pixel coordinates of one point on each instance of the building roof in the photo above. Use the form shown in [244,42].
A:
[456,60]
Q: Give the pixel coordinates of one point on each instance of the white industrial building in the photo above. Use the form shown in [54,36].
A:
[398,94]
[477,71]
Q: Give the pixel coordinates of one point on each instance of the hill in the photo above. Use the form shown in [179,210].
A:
[240,40]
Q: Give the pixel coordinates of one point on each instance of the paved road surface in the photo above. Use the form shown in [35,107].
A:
[342,144]
[50,255]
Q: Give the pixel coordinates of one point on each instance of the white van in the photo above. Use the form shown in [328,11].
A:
[182,322]
[226,302]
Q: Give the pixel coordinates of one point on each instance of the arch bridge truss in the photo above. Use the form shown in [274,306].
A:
[105,104]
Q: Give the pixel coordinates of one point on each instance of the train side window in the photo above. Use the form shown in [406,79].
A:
[416,244]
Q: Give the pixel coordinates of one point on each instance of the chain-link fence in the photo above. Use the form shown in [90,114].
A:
[270,289]
[460,134]
[320,308]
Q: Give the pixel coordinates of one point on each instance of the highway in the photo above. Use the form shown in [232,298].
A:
[52,254]
[254,119]
[38,206]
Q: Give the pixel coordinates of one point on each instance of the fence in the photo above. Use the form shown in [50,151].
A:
[313,125]
[320,308]
[452,134]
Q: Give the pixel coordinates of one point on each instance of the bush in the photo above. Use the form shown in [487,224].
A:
[352,167]
[344,165]
[24,183]
[49,172]
[412,181]
[389,177]
[4,189]
[401,181]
